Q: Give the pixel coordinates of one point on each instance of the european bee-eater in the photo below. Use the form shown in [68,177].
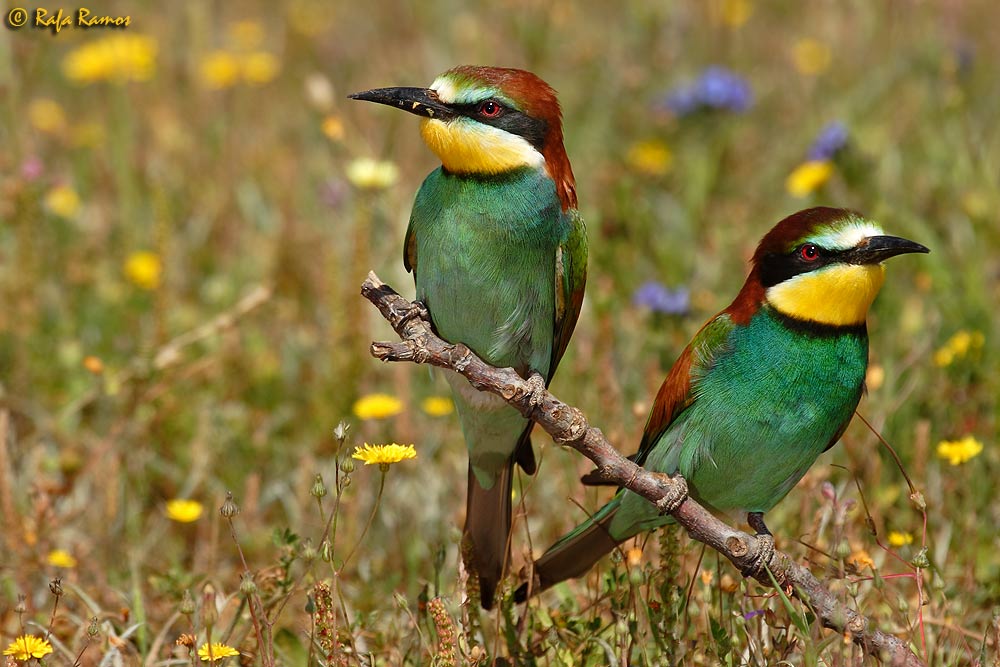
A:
[499,257]
[762,390]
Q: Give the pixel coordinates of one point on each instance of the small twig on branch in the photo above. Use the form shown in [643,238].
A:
[568,426]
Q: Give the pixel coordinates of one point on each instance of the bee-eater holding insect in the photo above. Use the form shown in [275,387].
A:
[762,390]
[499,257]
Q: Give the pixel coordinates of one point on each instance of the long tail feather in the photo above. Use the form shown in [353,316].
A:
[574,553]
[487,526]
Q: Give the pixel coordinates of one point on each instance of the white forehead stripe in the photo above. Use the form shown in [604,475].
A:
[847,234]
[445,89]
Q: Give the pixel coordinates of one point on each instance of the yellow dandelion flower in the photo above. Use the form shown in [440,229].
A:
[144,269]
[259,67]
[93,364]
[633,557]
[119,58]
[943,357]
[808,177]
[217,652]
[811,56]
[377,406]
[60,558]
[183,510]
[384,454]
[861,559]
[333,128]
[369,174]
[650,157]
[218,70]
[246,34]
[957,452]
[875,377]
[63,201]
[706,577]
[47,116]
[26,647]
[734,13]
[437,406]
[898,538]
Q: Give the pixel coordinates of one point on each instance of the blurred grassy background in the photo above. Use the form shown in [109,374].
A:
[152,177]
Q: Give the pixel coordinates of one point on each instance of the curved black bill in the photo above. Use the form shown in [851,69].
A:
[420,101]
[879,248]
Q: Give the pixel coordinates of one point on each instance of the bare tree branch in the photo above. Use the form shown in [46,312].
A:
[568,426]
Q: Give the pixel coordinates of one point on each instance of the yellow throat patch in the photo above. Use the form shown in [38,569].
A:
[836,295]
[467,147]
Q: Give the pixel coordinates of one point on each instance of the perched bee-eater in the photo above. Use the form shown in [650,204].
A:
[762,390]
[499,257]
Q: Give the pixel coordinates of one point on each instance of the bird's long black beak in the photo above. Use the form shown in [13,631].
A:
[877,249]
[420,101]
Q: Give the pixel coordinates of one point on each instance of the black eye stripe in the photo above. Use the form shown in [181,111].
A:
[509,119]
[776,268]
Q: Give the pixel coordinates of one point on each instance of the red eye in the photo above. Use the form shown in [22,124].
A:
[490,109]
[809,252]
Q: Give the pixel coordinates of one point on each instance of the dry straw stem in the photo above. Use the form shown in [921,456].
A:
[568,426]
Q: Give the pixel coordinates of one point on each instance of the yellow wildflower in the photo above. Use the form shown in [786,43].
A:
[93,364]
[811,56]
[734,13]
[706,577]
[875,377]
[437,406]
[26,647]
[63,201]
[633,557]
[861,559]
[47,116]
[650,157]
[183,510]
[333,128]
[218,70]
[377,406]
[246,34]
[218,652]
[259,67]
[958,452]
[898,538]
[958,346]
[384,454]
[144,269]
[808,177]
[369,174]
[121,58]
[60,558]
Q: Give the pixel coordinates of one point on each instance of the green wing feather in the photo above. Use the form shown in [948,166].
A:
[571,278]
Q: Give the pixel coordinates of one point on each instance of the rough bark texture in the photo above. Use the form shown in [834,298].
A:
[568,426]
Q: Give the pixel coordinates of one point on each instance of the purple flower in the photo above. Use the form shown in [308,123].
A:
[752,613]
[661,299]
[716,88]
[831,140]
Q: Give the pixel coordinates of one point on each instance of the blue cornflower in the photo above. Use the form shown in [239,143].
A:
[661,299]
[716,88]
[831,140]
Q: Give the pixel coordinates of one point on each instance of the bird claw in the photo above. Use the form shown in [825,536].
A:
[416,310]
[765,550]
[677,492]
[536,389]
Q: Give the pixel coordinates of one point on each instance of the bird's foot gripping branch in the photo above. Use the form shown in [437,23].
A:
[568,426]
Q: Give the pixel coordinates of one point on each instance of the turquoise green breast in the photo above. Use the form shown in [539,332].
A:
[773,400]
[486,252]
[766,410]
